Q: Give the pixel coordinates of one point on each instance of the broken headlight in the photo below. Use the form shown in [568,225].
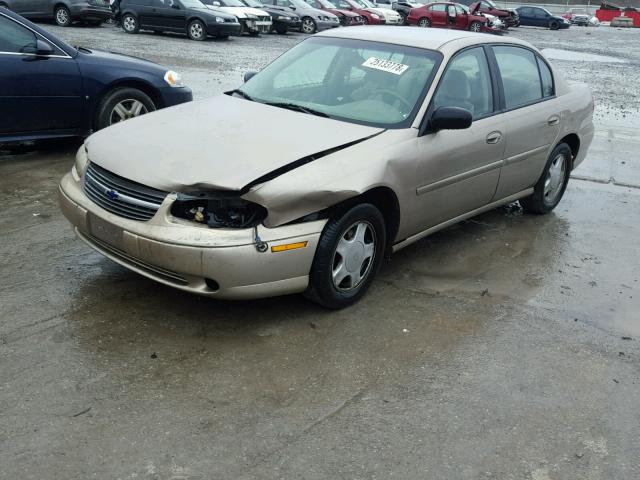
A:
[218,210]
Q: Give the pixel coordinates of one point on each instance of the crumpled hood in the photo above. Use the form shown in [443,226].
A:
[384,13]
[220,143]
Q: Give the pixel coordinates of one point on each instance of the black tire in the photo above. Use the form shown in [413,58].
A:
[114,97]
[94,23]
[308,26]
[540,201]
[130,23]
[554,25]
[322,288]
[475,27]
[282,30]
[404,18]
[254,33]
[365,20]
[62,16]
[197,30]
[424,22]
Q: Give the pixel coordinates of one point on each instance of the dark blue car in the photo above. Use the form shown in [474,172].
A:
[49,89]
[541,17]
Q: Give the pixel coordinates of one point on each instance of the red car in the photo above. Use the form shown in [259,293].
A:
[346,17]
[447,15]
[370,18]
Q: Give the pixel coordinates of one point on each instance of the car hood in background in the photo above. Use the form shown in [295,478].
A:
[240,12]
[220,143]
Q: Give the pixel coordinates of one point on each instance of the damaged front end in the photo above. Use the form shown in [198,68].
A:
[218,209]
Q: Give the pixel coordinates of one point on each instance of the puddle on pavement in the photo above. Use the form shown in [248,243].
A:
[573,56]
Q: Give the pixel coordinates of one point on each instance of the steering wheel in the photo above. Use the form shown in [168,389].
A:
[394,95]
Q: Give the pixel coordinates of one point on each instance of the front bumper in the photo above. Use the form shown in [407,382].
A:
[184,255]
[226,28]
[175,96]
[257,26]
[85,11]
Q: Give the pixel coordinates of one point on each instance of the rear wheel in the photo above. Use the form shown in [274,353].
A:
[550,188]
[554,25]
[475,26]
[130,23]
[122,104]
[424,22]
[197,31]
[62,16]
[349,253]
[309,25]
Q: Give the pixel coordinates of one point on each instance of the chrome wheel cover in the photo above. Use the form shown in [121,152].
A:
[126,109]
[353,256]
[423,23]
[476,27]
[196,30]
[308,26]
[129,24]
[555,179]
[62,17]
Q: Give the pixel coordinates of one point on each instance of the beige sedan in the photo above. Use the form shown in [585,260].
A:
[354,143]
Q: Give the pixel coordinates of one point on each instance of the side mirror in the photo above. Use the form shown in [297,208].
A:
[450,118]
[43,49]
[176,6]
[249,75]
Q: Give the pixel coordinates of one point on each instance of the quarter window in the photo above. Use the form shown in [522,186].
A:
[467,84]
[520,77]
[547,79]
[15,38]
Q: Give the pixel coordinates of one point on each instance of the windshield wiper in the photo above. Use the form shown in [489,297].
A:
[298,108]
[241,93]
[83,49]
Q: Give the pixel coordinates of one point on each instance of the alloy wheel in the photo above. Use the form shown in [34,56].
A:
[125,110]
[308,26]
[354,256]
[424,22]
[475,27]
[196,31]
[555,179]
[129,23]
[62,16]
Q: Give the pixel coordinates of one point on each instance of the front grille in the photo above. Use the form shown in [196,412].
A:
[121,196]
[265,19]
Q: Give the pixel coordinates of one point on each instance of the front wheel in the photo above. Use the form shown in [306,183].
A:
[554,25]
[475,27]
[424,22]
[282,30]
[553,182]
[130,23]
[197,31]
[349,253]
[62,16]
[122,104]
[309,25]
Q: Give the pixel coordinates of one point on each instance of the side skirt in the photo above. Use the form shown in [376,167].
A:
[425,233]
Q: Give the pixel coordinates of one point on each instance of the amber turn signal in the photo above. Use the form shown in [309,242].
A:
[288,246]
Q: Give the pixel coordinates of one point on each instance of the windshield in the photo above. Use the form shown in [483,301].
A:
[321,3]
[358,81]
[232,3]
[462,8]
[490,3]
[363,3]
[254,3]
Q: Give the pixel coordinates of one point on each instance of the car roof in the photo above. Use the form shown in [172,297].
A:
[442,39]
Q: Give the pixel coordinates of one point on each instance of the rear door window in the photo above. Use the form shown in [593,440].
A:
[548,89]
[520,77]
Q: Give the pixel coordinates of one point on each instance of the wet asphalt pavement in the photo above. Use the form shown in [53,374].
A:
[506,347]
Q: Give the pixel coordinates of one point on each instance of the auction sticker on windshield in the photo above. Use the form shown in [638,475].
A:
[385,65]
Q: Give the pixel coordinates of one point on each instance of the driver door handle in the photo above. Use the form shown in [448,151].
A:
[494,137]
[553,120]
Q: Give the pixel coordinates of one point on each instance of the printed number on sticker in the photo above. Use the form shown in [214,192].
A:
[385,65]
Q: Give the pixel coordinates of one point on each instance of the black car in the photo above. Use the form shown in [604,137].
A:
[281,22]
[64,12]
[50,89]
[541,17]
[181,16]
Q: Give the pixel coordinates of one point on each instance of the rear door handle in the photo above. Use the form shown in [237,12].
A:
[553,120]
[494,137]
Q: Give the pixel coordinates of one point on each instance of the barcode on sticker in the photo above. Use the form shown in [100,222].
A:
[385,65]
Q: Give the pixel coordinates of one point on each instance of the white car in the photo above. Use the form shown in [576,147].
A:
[253,20]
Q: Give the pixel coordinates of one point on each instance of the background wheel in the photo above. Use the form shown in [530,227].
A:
[130,24]
[348,256]
[309,25]
[281,30]
[122,104]
[475,27]
[553,182]
[404,18]
[553,25]
[197,31]
[254,33]
[62,16]
[424,22]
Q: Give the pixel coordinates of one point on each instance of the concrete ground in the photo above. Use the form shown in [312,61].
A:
[503,348]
